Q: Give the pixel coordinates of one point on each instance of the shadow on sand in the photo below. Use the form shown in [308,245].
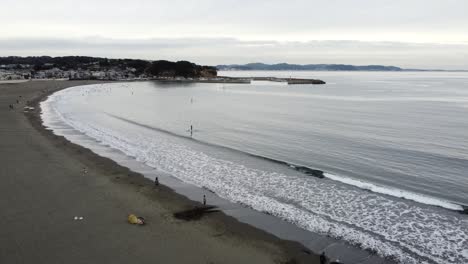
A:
[195,213]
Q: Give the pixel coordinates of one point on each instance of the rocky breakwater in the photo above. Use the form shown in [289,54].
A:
[289,80]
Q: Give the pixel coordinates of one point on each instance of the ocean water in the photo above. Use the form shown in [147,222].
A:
[393,146]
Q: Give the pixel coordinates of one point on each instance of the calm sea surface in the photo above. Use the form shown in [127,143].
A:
[378,136]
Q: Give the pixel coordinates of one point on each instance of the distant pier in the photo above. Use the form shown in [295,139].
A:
[289,80]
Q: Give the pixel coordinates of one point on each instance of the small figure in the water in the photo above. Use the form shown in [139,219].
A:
[204,199]
[156,181]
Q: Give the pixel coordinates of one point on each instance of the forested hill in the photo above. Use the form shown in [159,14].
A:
[139,67]
[307,67]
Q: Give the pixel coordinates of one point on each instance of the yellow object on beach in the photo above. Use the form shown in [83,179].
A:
[133,219]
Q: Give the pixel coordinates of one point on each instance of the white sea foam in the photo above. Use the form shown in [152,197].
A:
[396,192]
[401,229]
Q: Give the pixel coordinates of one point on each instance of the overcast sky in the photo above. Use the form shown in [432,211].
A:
[407,33]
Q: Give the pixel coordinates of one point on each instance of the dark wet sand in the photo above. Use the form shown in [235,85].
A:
[43,187]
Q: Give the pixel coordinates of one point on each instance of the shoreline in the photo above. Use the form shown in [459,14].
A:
[285,230]
[129,183]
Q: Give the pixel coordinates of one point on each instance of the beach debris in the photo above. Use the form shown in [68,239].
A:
[135,220]
[28,108]
[195,213]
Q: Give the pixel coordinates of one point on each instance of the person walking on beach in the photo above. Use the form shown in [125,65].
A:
[323,258]
[204,199]
[191,130]
[156,181]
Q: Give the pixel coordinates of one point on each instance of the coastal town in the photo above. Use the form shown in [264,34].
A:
[94,72]
[90,68]
[26,72]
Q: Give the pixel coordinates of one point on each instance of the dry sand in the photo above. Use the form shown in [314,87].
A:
[43,187]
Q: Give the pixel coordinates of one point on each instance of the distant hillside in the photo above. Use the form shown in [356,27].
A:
[307,67]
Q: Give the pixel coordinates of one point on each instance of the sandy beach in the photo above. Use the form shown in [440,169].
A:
[44,187]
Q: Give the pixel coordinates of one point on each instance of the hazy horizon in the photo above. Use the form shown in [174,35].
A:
[408,34]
